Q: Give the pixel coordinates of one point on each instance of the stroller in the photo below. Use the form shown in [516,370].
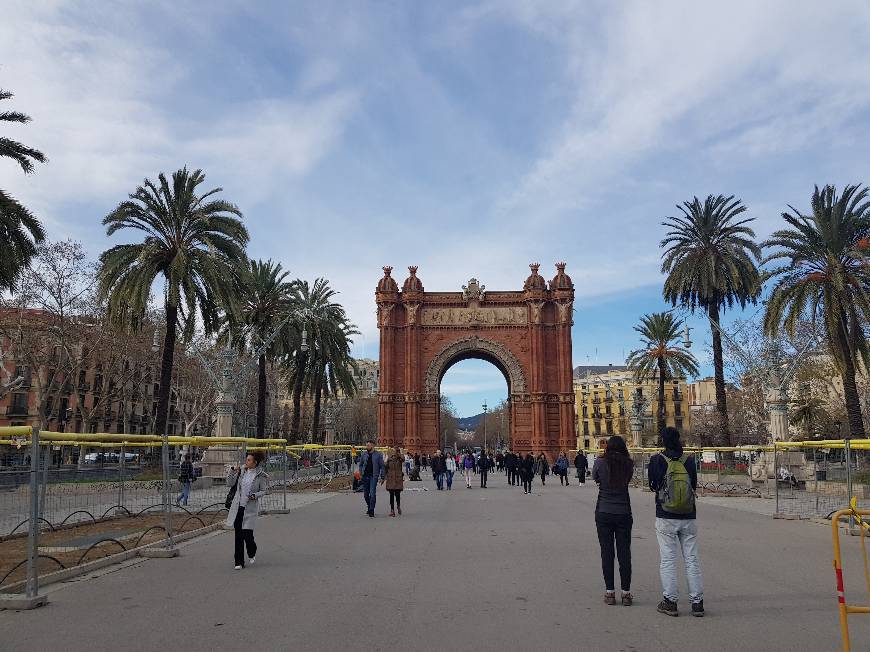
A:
[415,474]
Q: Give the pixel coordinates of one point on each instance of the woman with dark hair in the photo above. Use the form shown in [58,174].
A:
[612,471]
[251,484]
[394,479]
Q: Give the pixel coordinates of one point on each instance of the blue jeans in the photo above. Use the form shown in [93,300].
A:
[370,492]
[675,536]
[439,481]
[449,479]
[184,496]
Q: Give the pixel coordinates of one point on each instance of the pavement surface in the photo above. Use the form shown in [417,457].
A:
[469,569]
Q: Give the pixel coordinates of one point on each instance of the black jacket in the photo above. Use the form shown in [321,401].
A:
[186,472]
[581,462]
[658,468]
[510,461]
[438,465]
[527,465]
[484,463]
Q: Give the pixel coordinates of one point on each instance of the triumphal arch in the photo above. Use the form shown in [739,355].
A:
[525,333]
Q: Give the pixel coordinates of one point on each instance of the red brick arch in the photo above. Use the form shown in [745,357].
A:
[525,333]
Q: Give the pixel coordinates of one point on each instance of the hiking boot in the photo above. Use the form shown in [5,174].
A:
[627,599]
[698,609]
[609,597]
[668,608]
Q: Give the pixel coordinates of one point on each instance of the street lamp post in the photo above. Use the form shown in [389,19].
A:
[485,408]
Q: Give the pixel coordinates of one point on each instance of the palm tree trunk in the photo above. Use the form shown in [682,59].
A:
[166,369]
[318,391]
[297,394]
[660,417]
[850,388]
[261,397]
[719,373]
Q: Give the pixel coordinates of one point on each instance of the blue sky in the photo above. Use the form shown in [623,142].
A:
[469,139]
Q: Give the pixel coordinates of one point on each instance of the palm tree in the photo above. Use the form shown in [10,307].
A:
[710,259]
[265,300]
[824,273]
[333,364]
[321,318]
[20,231]
[660,358]
[808,412]
[194,241]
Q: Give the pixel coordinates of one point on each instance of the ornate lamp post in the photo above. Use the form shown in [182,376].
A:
[485,409]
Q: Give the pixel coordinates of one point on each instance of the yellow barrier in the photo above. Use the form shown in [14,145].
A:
[844,608]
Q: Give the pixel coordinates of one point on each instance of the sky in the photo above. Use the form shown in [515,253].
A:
[469,139]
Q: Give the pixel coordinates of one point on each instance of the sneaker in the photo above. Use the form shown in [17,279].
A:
[371,514]
[251,560]
[400,511]
[609,597]
[237,567]
[668,608]
[393,514]
[698,609]
[627,599]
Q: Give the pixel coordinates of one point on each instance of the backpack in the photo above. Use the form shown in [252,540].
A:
[676,494]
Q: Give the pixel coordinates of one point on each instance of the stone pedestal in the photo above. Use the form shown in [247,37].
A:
[216,459]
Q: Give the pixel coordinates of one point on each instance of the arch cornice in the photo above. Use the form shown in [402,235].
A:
[474,344]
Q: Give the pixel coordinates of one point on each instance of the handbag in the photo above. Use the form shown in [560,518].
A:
[232,492]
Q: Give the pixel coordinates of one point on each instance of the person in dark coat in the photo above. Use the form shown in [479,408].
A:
[483,463]
[510,463]
[438,468]
[527,472]
[185,477]
[613,519]
[542,467]
[582,465]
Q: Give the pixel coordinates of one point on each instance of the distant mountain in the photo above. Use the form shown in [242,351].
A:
[470,423]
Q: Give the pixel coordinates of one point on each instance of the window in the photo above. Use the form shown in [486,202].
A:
[19,404]
[610,427]
[677,409]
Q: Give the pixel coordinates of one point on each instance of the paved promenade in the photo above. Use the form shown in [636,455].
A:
[465,570]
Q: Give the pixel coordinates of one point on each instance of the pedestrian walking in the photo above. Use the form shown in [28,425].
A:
[409,463]
[582,466]
[371,467]
[251,484]
[185,477]
[425,460]
[527,472]
[468,467]
[613,518]
[449,470]
[484,463]
[499,462]
[511,462]
[394,480]
[542,467]
[562,468]
[673,476]
[438,468]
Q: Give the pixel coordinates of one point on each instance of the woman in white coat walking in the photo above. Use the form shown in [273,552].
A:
[253,484]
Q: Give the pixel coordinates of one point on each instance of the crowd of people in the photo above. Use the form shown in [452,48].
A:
[672,475]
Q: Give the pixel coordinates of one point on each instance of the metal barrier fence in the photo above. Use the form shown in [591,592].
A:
[66,502]
[854,515]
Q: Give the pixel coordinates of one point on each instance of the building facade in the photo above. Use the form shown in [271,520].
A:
[604,399]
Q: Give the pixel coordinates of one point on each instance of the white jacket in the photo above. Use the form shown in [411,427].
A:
[450,464]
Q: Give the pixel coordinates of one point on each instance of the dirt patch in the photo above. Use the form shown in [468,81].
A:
[127,530]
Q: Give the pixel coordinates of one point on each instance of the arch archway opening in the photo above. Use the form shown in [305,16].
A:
[468,381]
